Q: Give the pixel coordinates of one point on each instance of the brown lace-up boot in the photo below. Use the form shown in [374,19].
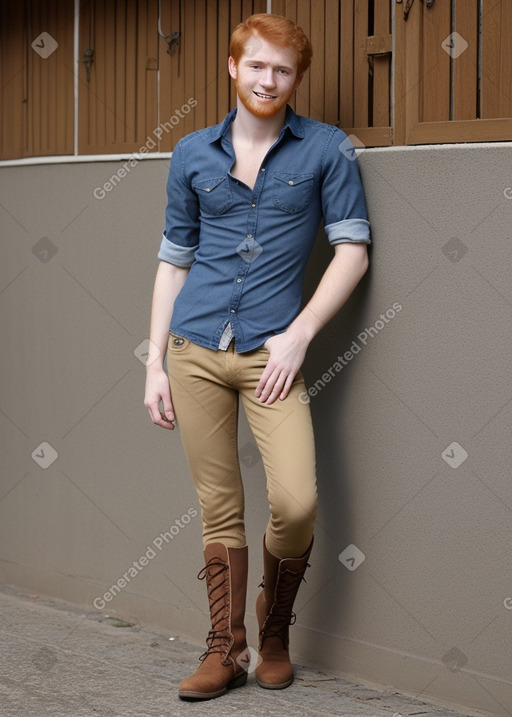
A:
[226,579]
[281,580]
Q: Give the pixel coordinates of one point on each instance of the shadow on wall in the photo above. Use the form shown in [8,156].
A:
[334,530]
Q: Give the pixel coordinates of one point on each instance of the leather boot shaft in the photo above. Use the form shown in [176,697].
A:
[274,608]
[225,573]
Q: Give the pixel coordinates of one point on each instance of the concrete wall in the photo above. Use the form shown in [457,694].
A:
[412,424]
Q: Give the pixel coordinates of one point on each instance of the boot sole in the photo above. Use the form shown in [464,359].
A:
[270,686]
[233,684]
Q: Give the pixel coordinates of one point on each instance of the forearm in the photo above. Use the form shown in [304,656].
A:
[346,269]
[168,282]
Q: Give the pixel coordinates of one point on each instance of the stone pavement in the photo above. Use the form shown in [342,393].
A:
[64,661]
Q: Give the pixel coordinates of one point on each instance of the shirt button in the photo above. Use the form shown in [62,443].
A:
[290,182]
[249,236]
[253,205]
[232,311]
[239,281]
[207,189]
[262,169]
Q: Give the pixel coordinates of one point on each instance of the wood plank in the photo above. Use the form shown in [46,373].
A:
[465,66]
[188,60]
[489,130]
[435,68]
[224,79]
[53,74]
[378,44]
[346,106]
[505,87]
[412,97]
[381,65]
[302,104]
[12,85]
[120,76]
[107,65]
[279,7]
[199,120]
[398,107]
[289,10]
[134,57]
[491,49]
[361,67]
[96,89]
[331,62]
[33,84]
[371,136]
[142,76]
[247,9]
[148,96]
[64,109]
[172,75]
[259,6]
[84,121]
[235,17]
[212,75]
[318,20]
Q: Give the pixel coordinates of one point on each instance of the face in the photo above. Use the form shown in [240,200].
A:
[265,77]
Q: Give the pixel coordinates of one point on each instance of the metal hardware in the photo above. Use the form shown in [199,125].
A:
[409,3]
[174,42]
[88,59]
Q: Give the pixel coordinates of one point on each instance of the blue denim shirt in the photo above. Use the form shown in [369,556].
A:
[247,249]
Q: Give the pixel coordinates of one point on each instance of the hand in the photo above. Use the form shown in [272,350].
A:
[157,389]
[287,352]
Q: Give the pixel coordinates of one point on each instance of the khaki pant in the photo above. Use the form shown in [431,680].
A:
[205,387]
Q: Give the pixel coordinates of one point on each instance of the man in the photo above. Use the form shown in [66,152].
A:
[245,201]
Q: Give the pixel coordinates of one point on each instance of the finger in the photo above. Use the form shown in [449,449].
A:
[168,411]
[273,388]
[159,418]
[268,385]
[265,376]
[287,386]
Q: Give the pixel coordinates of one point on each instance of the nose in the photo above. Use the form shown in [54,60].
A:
[267,78]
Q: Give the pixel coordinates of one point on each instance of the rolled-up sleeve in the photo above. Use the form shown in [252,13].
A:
[180,238]
[343,200]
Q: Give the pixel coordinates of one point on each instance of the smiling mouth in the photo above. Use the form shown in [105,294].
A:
[265,97]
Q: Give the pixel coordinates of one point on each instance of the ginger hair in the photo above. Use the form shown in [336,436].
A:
[277,30]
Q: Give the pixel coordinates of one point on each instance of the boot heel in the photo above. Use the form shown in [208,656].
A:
[237,681]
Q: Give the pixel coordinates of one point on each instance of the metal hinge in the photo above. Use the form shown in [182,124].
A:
[408,5]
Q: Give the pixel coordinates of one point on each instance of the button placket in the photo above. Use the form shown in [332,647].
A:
[244,264]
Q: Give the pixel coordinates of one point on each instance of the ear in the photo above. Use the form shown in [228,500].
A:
[232,68]
[298,81]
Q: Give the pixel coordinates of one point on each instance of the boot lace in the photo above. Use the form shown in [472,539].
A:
[219,637]
[280,615]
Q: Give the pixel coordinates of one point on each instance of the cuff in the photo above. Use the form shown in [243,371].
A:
[349,230]
[176,254]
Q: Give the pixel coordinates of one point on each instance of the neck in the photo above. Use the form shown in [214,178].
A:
[254,130]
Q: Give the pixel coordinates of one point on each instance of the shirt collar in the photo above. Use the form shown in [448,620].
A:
[292,121]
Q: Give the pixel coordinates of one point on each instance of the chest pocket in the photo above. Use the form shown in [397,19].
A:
[292,192]
[215,195]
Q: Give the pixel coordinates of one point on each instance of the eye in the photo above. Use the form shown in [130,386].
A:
[284,72]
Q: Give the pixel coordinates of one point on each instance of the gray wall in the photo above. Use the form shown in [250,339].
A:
[428,610]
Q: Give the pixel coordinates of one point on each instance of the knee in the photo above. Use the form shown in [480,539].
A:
[295,511]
